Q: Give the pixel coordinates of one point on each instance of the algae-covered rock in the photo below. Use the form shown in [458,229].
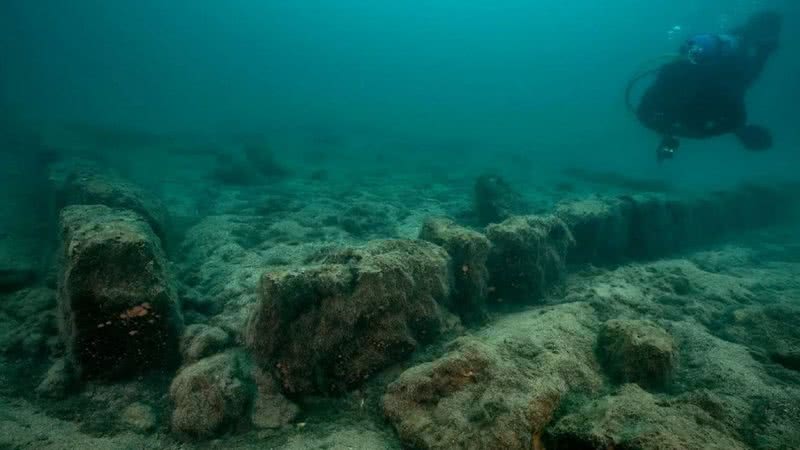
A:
[138,417]
[271,409]
[528,256]
[58,381]
[500,388]
[495,200]
[655,228]
[600,228]
[211,396]
[28,325]
[468,252]
[768,330]
[91,186]
[200,340]
[117,307]
[350,313]
[637,420]
[637,351]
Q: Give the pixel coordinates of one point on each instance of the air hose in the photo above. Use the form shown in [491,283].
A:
[647,69]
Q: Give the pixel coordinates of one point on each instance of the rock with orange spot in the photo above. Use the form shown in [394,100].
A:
[468,250]
[500,387]
[114,273]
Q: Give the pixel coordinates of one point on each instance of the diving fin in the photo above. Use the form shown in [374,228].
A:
[754,138]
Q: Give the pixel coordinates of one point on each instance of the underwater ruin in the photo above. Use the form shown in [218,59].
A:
[360,235]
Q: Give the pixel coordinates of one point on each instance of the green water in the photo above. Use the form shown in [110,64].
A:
[218,229]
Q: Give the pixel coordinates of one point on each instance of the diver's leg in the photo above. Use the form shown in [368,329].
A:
[759,38]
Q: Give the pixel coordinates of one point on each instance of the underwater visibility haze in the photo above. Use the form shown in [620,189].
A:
[380,225]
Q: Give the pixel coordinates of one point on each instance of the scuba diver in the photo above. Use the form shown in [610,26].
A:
[700,93]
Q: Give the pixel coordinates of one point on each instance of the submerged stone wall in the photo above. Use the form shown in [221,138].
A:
[609,230]
[354,311]
[502,386]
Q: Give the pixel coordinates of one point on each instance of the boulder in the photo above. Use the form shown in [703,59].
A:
[528,256]
[468,252]
[500,388]
[637,420]
[58,381]
[138,417]
[28,325]
[93,186]
[637,351]
[495,200]
[271,410]
[200,340]
[211,396]
[351,312]
[117,307]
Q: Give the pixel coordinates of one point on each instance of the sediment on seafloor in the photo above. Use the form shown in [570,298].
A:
[266,334]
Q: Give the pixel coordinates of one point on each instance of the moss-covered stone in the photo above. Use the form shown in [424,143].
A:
[199,341]
[528,257]
[500,388]
[637,420]
[350,313]
[91,186]
[600,228]
[637,351]
[117,306]
[468,252]
[211,396]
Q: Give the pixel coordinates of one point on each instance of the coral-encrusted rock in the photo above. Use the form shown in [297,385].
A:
[117,306]
[637,351]
[211,395]
[637,420]
[351,313]
[495,200]
[528,256]
[86,186]
[468,251]
[499,388]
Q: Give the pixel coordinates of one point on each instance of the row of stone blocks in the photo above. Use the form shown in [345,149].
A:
[353,312]
[117,303]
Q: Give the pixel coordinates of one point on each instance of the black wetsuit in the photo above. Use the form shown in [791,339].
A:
[704,100]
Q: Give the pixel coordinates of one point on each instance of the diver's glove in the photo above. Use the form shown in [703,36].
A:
[666,148]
